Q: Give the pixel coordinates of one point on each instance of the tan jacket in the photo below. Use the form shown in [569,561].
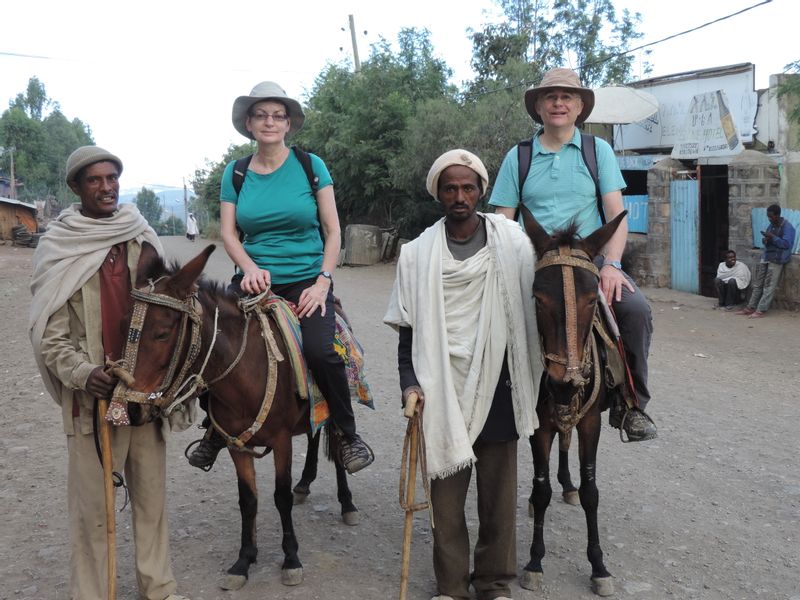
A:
[72,345]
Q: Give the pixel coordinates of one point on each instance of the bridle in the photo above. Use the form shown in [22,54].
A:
[164,398]
[578,372]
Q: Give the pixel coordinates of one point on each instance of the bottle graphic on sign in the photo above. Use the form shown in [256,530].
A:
[726,120]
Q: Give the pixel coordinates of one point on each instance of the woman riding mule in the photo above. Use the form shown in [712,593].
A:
[291,244]
[187,335]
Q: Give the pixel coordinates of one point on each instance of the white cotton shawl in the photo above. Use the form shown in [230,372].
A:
[72,250]
[465,316]
[738,271]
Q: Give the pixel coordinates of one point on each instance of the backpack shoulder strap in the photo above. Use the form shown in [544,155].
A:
[589,155]
[524,155]
[239,172]
[305,162]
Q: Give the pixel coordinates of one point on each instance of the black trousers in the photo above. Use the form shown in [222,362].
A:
[326,366]
[728,292]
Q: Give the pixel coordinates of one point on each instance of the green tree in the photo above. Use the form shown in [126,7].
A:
[356,122]
[171,226]
[149,205]
[790,87]
[206,182]
[587,35]
[42,138]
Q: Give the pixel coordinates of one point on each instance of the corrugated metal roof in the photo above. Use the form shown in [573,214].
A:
[10,201]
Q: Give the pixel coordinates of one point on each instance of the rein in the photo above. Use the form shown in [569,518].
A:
[577,371]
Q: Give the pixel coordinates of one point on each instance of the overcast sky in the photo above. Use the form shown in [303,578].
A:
[155,80]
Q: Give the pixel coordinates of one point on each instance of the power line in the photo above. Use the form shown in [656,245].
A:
[623,53]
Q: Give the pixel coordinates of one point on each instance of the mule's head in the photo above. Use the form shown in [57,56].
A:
[566,291]
[162,343]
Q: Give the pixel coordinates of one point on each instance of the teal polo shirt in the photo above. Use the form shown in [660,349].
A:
[559,187]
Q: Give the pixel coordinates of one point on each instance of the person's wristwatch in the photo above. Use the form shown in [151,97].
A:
[327,275]
[614,263]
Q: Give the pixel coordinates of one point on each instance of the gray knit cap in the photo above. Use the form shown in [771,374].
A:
[88,155]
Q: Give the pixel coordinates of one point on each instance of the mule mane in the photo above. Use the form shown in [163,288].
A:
[213,292]
[565,237]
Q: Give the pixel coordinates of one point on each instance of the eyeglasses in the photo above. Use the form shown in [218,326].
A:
[277,117]
[563,97]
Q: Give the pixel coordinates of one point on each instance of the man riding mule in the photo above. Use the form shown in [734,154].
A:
[560,188]
[583,365]
[84,267]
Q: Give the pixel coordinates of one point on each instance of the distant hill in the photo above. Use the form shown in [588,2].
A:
[171,199]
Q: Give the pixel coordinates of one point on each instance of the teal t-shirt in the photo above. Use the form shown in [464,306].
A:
[278,214]
[559,187]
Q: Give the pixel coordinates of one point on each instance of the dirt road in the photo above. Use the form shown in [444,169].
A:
[710,510]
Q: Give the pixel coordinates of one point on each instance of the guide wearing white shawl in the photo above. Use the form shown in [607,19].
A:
[465,316]
[72,250]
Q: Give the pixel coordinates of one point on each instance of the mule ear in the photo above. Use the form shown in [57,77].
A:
[148,259]
[536,232]
[183,282]
[595,242]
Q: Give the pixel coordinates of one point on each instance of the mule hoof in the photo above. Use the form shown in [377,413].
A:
[233,582]
[603,586]
[351,518]
[571,498]
[530,509]
[292,576]
[531,581]
[299,498]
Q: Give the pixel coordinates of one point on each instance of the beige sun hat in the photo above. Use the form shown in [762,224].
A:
[266,90]
[562,79]
[455,157]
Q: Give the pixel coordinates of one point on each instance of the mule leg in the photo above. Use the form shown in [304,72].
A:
[303,487]
[291,570]
[588,438]
[541,442]
[349,510]
[248,506]
[568,491]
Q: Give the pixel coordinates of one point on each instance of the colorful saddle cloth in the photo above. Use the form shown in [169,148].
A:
[345,344]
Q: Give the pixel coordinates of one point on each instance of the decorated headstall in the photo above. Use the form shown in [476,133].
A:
[191,321]
[569,258]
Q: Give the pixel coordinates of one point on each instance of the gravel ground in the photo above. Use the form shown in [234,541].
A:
[709,510]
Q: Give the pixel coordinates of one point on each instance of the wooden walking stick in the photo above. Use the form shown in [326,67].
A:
[413,450]
[108,482]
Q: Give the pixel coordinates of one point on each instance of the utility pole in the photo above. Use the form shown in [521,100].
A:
[10,150]
[185,202]
[355,45]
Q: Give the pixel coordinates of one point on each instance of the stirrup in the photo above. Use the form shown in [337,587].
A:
[646,436]
[208,447]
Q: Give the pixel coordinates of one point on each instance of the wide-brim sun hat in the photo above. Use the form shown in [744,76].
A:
[562,79]
[88,155]
[266,90]
[455,157]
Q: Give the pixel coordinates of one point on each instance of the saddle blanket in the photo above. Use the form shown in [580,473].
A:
[346,345]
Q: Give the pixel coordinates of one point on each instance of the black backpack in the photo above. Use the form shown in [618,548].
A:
[240,170]
[589,155]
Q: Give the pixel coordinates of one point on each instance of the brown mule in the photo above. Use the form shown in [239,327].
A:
[572,390]
[181,320]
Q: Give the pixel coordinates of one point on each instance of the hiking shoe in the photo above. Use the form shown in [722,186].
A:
[635,423]
[208,448]
[354,454]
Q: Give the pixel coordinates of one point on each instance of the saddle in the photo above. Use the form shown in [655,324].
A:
[284,315]
[612,354]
